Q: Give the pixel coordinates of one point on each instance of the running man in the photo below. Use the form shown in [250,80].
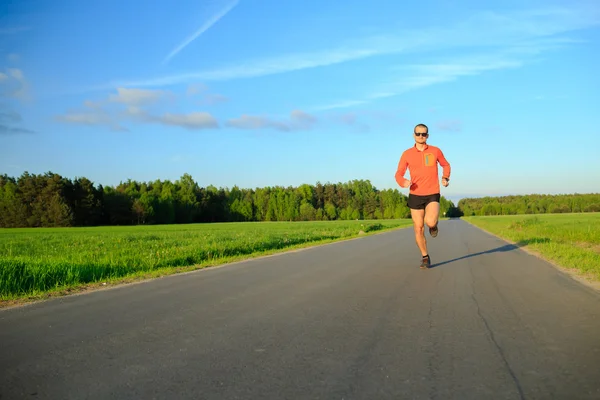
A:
[424,194]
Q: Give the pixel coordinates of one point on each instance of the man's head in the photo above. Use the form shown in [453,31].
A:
[421,133]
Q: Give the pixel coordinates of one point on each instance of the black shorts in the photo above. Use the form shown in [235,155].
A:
[420,202]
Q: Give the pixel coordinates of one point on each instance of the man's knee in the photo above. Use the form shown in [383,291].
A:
[431,222]
[419,228]
[431,219]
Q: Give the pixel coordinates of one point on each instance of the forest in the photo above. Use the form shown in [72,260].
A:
[530,204]
[50,200]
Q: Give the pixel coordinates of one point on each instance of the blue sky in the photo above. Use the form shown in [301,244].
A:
[256,93]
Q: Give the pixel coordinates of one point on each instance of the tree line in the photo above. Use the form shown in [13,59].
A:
[50,200]
[530,204]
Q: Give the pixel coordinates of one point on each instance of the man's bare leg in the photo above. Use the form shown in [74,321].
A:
[418,217]
[432,213]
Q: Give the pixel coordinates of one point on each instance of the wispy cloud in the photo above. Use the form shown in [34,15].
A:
[421,75]
[451,125]
[14,166]
[92,116]
[200,90]
[482,29]
[339,104]
[299,120]
[203,28]
[302,120]
[13,57]
[13,130]
[257,68]
[491,129]
[212,99]
[10,116]
[551,97]
[8,119]
[196,88]
[362,120]
[13,84]
[352,119]
[414,76]
[11,30]
[177,158]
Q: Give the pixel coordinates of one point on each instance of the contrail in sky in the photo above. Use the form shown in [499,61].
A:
[214,19]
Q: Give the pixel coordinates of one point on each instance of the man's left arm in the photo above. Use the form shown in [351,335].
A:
[445,166]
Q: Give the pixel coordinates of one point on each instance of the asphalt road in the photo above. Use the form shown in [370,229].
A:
[351,320]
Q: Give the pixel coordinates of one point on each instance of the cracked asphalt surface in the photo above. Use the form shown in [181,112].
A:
[351,320]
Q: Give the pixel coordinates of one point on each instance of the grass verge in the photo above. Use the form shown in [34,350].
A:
[48,262]
[569,241]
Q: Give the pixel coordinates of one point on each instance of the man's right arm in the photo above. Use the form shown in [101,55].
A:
[401,170]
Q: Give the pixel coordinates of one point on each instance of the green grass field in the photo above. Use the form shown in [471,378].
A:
[569,240]
[38,262]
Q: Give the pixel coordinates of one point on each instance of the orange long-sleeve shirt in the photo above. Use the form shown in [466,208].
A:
[423,168]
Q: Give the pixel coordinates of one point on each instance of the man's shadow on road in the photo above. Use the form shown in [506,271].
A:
[501,249]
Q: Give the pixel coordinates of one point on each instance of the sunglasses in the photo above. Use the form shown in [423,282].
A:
[421,134]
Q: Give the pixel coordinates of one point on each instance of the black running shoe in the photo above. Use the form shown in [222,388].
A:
[433,231]
[425,262]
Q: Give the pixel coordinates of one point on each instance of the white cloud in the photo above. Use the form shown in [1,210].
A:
[255,122]
[96,113]
[86,118]
[194,120]
[191,121]
[299,120]
[137,97]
